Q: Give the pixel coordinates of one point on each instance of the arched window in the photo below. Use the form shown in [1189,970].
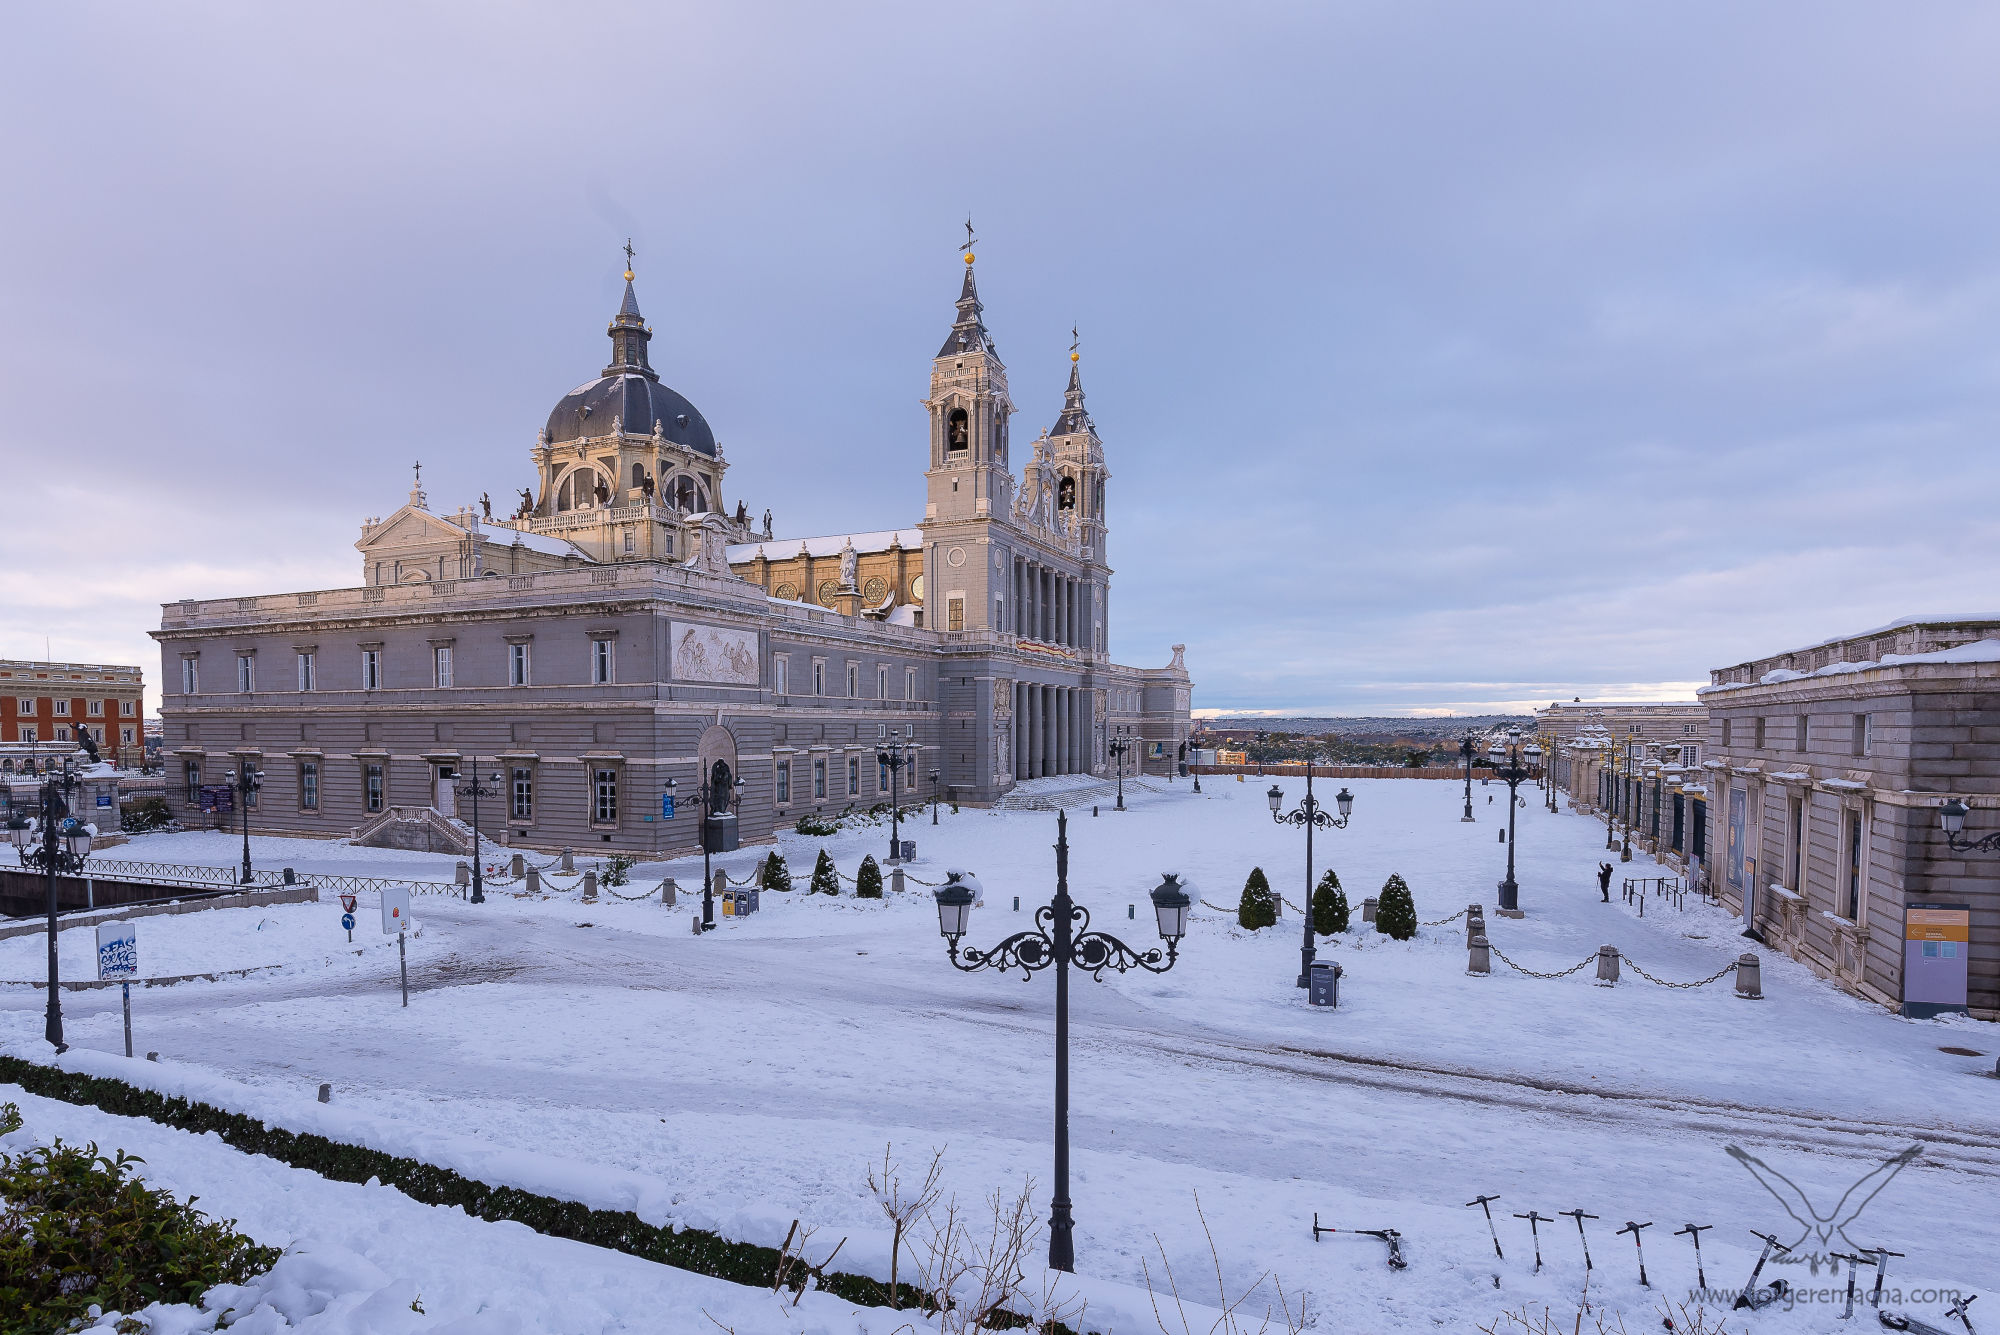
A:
[687,494]
[956,437]
[1066,493]
[638,475]
[563,495]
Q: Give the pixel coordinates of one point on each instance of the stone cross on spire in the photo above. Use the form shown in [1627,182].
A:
[417,497]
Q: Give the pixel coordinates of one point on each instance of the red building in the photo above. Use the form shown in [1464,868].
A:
[40,704]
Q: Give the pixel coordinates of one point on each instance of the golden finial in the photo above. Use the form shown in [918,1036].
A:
[969,240]
[1074,341]
[628,259]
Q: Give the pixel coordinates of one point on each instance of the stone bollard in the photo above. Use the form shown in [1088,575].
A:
[1749,977]
[1368,909]
[569,860]
[1480,955]
[720,884]
[1475,925]
[326,1093]
[669,892]
[896,879]
[590,885]
[1277,904]
[534,881]
[1607,965]
[462,875]
[517,866]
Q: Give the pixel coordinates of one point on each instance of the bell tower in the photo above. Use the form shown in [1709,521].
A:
[968,477]
[1080,470]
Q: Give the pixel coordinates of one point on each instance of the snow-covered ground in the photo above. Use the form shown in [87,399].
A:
[742,1079]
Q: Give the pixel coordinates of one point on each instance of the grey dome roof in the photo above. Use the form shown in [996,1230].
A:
[637,401]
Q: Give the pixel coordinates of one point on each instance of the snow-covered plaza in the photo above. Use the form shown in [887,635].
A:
[744,1079]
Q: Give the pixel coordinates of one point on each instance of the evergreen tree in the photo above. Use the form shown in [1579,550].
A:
[825,880]
[1329,906]
[1257,908]
[1395,911]
[868,881]
[777,876]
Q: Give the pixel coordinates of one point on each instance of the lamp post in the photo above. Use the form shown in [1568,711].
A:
[705,793]
[934,796]
[1465,754]
[1512,773]
[1116,748]
[248,782]
[1610,793]
[1625,849]
[1312,816]
[1061,938]
[64,844]
[892,754]
[1550,750]
[476,790]
[1951,819]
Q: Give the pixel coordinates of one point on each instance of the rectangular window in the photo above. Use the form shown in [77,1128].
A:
[954,614]
[125,709]
[819,778]
[631,542]
[1850,900]
[1725,734]
[246,673]
[25,705]
[910,730]
[308,786]
[605,790]
[62,709]
[96,708]
[371,777]
[909,683]
[999,611]
[881,775]
[29,734]
[1757,742]
[853,681]
[125,735]
[517,665]
[1796,865]
[523,807]
[781,674]
[191,773]
[910,774]
[819,676]
[371,669]
[190,676]
[1801,732]
[784,782]
[854,776]
[1861,738]
[441,665]
[600,662]
[307,673]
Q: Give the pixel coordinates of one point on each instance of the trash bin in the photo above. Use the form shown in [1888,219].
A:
[747,901]
[1323,981]
[909,850]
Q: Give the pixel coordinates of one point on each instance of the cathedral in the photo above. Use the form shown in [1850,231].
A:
[627,635]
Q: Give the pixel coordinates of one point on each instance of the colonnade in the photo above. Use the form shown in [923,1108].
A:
[1049,605]
[1052,730]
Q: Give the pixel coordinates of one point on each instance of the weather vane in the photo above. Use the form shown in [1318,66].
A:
[1074,341]
[628,252]
[420,473]
[970,239]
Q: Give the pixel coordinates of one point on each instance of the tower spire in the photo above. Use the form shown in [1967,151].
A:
[1075,417]
[629,334]
[968,331]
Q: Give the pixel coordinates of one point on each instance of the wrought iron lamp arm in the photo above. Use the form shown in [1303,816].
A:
[1989,844]
[1035,950]
[1314,815]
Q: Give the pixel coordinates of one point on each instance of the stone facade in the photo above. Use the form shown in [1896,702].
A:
[596,645]
[1827,766]
[40,704]
[1636,762]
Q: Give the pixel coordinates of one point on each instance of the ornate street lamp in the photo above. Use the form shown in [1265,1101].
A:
[1116,749]
[1311,816]
[705,793]
[1465,753]
[1951,819]
[1512,773]
[55,845]
[1625,796]
[476,790]
[1061,939]
[247,782]
[891,754]
[935,776]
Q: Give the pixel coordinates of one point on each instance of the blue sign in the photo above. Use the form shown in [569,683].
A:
[347,921]
[104,799]
[666,806]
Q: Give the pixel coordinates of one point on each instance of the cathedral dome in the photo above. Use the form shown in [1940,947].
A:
[636,401]
[629,394]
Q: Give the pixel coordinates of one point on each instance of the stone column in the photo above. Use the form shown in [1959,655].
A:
[1020,727]
[1048,694]
[1034,732]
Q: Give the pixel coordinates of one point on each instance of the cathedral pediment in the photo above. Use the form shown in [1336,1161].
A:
[408,527]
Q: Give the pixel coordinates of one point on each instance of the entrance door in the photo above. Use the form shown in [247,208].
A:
[445,794]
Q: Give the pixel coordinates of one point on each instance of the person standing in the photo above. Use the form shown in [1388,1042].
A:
[1604,880]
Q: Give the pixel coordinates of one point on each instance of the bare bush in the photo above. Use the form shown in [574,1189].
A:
[1233,1318]
[886,1184]
[976,1272]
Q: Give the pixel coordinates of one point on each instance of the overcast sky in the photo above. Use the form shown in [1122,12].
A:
[1446,357]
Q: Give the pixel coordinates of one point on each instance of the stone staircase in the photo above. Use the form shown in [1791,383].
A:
[1060,792]
[414,830]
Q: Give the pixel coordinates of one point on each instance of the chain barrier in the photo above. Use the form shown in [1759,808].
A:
[1588,959]
[613,892]
[1725,970]
[1441,922]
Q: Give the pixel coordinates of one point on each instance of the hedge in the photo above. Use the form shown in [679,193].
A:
[693,1249]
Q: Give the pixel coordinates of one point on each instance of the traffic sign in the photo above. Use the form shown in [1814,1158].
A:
[117,950]
[347,902]
[395,909]
[347,921]
[666,806]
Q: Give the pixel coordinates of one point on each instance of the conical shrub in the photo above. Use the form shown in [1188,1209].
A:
[777,876]
[1329,905]
[1257,909]
[868,880]
[825,880]
[1395,911]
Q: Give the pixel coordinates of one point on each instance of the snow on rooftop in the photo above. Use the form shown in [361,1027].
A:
[540,542]
[781,549]
[1973,651]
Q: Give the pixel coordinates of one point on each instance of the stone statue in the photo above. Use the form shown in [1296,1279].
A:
[848,560]
[743,514]
[602,492]
[486,505]
[527,504]
[767,521]
[646,486]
